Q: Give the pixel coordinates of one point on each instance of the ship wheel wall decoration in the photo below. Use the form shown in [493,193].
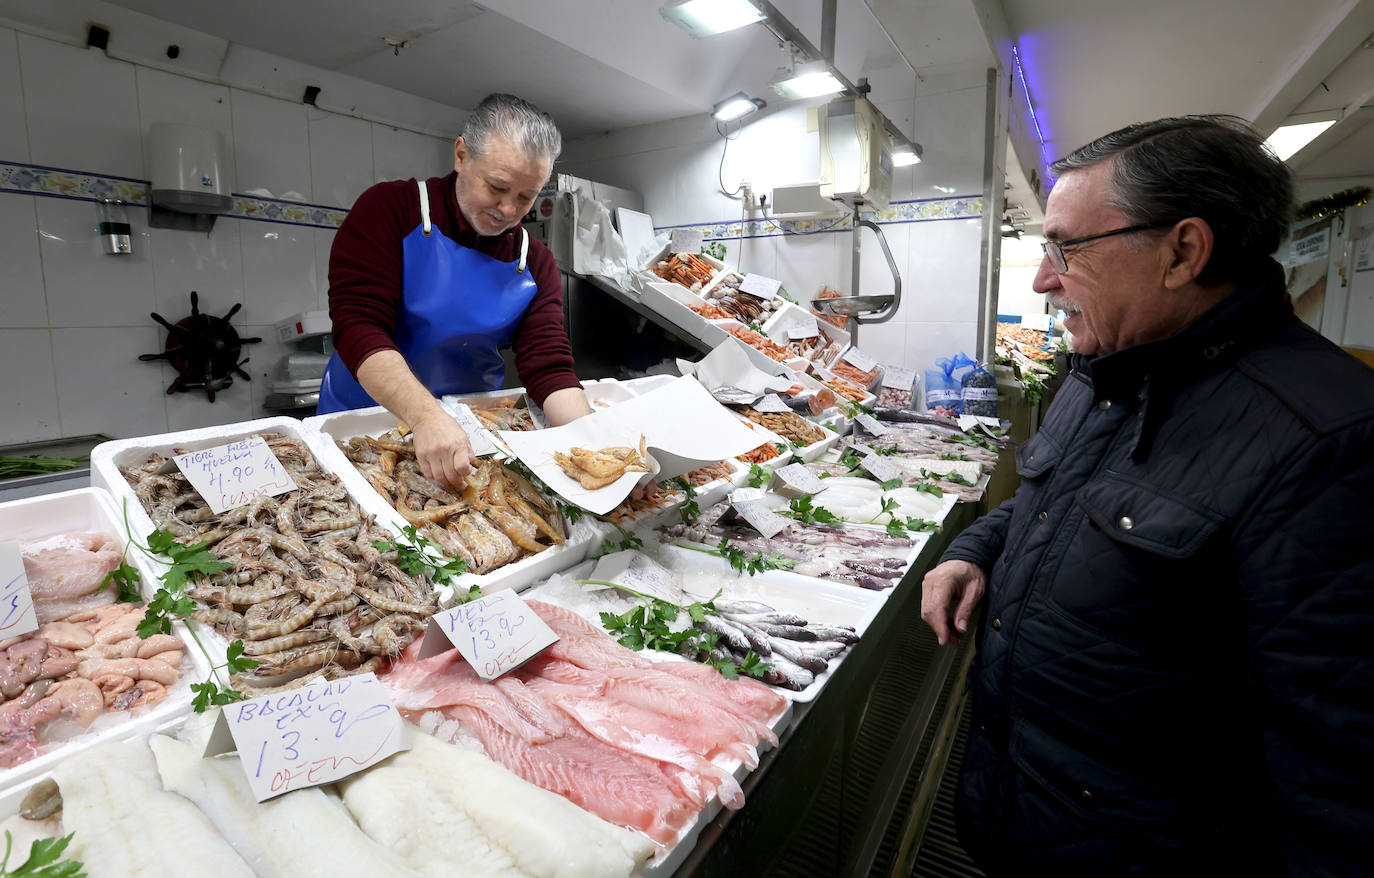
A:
[204,350]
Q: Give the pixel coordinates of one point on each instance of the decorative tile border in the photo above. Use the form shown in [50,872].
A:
[924,210]
[59,183]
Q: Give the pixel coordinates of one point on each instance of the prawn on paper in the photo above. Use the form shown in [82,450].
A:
[595,469]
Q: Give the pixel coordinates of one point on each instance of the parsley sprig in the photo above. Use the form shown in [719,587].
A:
[211,692]
[743,562]
[803,509]
[951,477]
[688,510]
[44,860]
[421,556]
[571,512]
[628,540]
[758,476]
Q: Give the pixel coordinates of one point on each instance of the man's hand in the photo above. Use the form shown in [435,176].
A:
[443,449]
[956,585]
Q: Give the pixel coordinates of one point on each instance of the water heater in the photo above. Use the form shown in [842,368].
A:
[856,154]
[190,169]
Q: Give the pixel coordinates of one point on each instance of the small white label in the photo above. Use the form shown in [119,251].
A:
[980,393]
[939,396]
[309,736]
[872,425]
[760,286]
[898,376]
[795,480]
[1039,322]
[771,403]
[807,328]
[478,437]
[759,517]
[859,360]
[744,495]
[685,241]
[882,470]
[639,573]
[16,603]
[496,634]
[228,476]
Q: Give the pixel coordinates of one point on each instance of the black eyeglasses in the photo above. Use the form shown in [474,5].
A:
[1055,249]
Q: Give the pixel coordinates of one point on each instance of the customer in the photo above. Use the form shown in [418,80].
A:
[428,281]
[1175,672]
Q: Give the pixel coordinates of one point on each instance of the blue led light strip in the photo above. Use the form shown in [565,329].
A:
[1025,90]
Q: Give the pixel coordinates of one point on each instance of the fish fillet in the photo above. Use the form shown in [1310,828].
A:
[126,824]
[269,835]
[421,799]
[65,572]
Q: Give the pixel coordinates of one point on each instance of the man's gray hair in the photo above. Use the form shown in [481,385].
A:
[1216,168]
[517,121]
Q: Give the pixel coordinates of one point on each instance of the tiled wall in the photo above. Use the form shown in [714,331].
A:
[74,320]
[677,167]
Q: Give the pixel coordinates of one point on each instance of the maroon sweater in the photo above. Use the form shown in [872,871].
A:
[365,268]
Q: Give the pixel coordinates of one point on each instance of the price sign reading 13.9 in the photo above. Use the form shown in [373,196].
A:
[232,475]
[496,633]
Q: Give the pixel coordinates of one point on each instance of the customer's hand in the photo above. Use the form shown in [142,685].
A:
[954,586]
[443,450]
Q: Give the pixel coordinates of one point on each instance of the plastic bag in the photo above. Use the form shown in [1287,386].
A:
[978,390]
[943,389]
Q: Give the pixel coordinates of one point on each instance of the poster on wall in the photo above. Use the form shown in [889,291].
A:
[1305,262]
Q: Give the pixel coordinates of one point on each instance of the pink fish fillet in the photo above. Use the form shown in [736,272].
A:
[65,572]
[756,699]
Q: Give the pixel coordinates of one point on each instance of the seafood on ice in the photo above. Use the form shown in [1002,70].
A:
[496,517]
[307,591]
[437,805]
[638,744]
[668,494]
[597,468]
[504,415]
[65,572]
[788,425]
[924,440]
[90,663]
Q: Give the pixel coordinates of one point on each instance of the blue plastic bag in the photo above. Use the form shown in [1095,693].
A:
[979,393]
[943,388]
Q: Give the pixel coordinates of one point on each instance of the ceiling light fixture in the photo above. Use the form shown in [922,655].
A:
[706,18]
[737,106]
[904,154]
[1288,140]
[810,80]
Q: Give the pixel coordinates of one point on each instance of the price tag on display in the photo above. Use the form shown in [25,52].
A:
[882,470]
[232,475]
[685,241]
[859,360]
[771,402]
[760,517]
[497,633]
[478,437]
[309,736]
[807,328]
[760,286]
[899,377]
[795,480]
[968,422]
[1039,322]
[872,425]
[16,603]
[640,573]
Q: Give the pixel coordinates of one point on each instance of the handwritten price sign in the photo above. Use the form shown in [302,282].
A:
[310,736]
[16,604]
[496,634]
[228,476]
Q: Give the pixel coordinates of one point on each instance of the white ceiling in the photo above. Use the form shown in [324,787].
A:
[1091,65]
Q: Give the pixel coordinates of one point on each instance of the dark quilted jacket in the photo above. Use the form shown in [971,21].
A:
[1176,659]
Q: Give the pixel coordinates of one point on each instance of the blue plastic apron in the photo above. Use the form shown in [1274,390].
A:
[458,309]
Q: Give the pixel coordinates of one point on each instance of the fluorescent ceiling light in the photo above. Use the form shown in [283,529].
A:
[705,18]
[905,155]
[810,80]
[1288,139]
[737,106]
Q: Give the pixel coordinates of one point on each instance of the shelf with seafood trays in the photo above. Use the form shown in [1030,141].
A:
[718,580]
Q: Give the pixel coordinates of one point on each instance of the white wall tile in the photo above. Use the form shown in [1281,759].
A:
[262,365]
[324,242]
[340,158]
[944,268]
[22,301]
[14,134]
[186,411]
[86,286]
[805,263]
[82,109]
[30,404]
[212,265]
[102,387]
[279,276]
[949,126]
[885,342]
[271,146]
[398,154]
[927,342]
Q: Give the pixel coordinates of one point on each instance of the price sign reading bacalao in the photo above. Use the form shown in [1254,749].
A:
[496,634]
[309,736]
[235,474]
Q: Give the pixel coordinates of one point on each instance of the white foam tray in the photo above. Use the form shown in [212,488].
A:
[807,453]
[760,360]
[869,397]
[669,299]
[91,509]
[776,327]
[665,253]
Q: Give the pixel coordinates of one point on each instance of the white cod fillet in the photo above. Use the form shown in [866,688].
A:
[126,824]
[422,801]
[303,833]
